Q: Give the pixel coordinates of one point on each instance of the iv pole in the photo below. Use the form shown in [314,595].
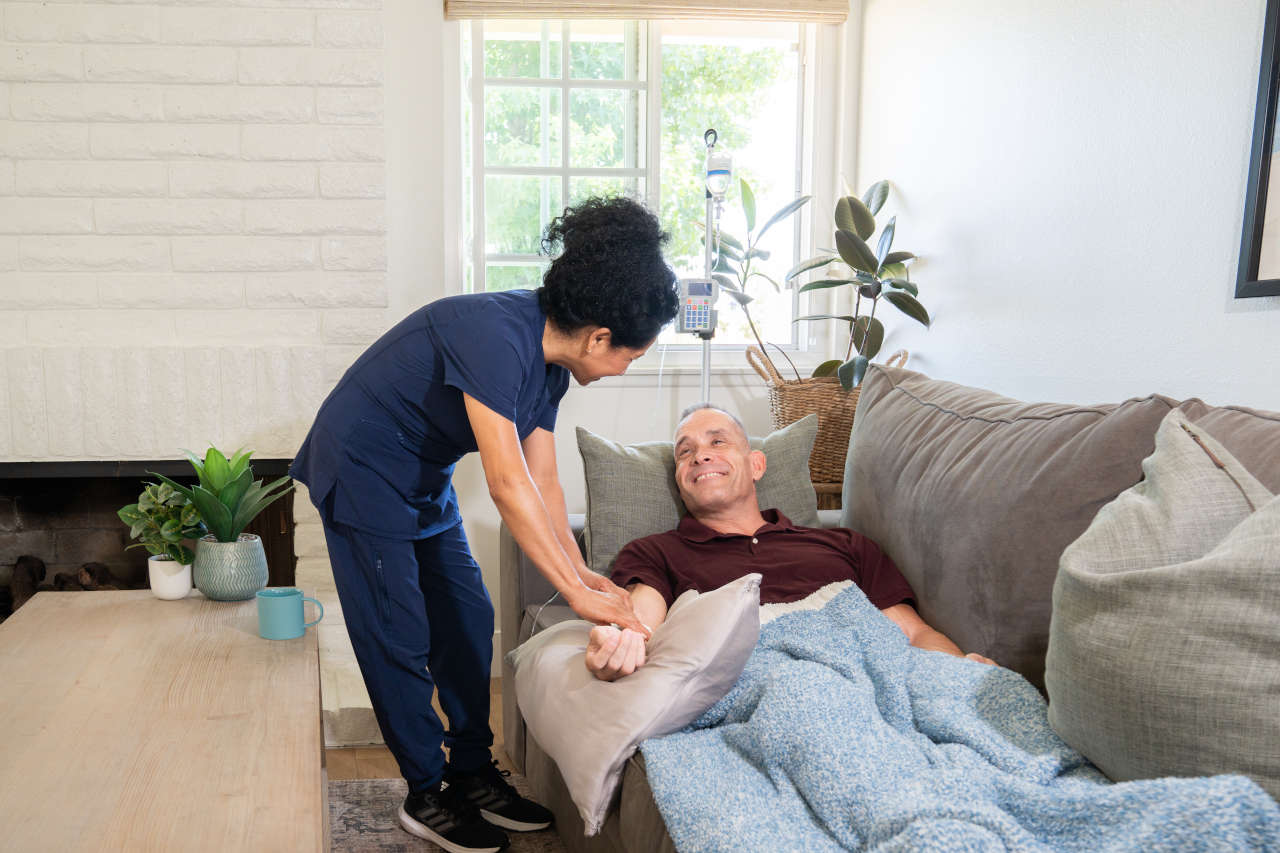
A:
[718,172]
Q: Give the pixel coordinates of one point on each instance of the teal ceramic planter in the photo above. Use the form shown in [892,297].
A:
[229,571]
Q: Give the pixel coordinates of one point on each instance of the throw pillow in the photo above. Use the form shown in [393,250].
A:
[1164,650]
[974,496]
[631,489]
[591,727]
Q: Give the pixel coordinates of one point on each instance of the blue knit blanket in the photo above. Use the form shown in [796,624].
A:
[839,735]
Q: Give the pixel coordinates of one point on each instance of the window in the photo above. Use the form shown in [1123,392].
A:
[557,111]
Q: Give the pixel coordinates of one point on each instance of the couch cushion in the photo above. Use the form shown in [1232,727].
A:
[631,490]
[1250,435]
[975,496]
[1164,651]
[591,727]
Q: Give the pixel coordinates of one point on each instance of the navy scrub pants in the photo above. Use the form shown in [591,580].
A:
[419,617]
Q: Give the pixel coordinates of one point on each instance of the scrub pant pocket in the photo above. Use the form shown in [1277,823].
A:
[419,618]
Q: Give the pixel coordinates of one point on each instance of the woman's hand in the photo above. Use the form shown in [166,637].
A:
[599,582]
[606,608]
[612,654]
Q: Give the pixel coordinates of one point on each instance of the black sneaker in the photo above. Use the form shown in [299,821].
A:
[451,822]
[498,802]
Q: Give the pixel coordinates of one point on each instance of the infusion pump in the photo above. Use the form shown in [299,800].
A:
[697,306]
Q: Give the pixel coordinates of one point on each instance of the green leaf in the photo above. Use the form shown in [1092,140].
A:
[725,264]
[783,212]
[823,284]
[827,368]
[728,251]
[234,491]
[871,290]
[129,514]
[873,339]
[875,196]
[898,257]
[725,281]
[218,469]
[748,204]
[808,264]
[215,516]
[846,317]
[853,215]
[886,242]
[741,297]
[723,236]
[198,464]
[897,270]
[240,462]
[907,304]
[262,498]
[776,287]
[185,490]
[854,252]
[903,284]
[762,254]
[852,371]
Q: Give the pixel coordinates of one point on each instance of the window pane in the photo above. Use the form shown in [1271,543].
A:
[603,128]
[513,276]
[598,49]
[522,48]
[743,82]
[582,187]
[516,209]
[521,126]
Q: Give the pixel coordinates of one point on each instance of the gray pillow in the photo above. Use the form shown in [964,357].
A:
[1164,650]
[591,727]
[631,489]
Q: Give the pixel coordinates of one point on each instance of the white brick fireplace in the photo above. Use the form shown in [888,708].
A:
[192,237]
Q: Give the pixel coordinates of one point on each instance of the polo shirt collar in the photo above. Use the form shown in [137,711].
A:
[692,530]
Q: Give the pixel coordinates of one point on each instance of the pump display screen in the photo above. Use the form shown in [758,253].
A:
[699,288]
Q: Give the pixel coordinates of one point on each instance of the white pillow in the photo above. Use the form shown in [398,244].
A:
[591,727]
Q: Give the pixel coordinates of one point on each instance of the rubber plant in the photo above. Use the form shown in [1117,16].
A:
[227,497]
[871,274]
[162,520]
[737,263]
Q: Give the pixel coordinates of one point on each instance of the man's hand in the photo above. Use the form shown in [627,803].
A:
[605,608]
[611,653]
[980,659]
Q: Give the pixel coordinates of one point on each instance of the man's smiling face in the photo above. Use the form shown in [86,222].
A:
[716,469]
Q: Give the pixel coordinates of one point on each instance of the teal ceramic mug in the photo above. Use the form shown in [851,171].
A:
[280,613]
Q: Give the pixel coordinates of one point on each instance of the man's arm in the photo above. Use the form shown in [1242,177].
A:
[920,635]
[612,653]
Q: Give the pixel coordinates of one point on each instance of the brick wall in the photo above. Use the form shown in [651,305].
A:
[192,224]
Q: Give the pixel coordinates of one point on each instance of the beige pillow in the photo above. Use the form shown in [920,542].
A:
[591,727]
[631,490]
[1164,650]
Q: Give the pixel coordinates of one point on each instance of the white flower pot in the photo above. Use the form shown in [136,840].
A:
[170,579]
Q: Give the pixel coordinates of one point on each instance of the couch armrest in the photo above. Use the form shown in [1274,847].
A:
[828,518]
[521,585]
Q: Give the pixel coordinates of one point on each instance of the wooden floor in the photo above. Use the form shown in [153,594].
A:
[376,762]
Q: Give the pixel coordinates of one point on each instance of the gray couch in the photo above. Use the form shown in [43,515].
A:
[974,496]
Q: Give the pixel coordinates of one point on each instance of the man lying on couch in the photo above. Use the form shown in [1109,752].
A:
[725,535]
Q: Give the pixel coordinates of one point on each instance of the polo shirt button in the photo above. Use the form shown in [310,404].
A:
[755,541]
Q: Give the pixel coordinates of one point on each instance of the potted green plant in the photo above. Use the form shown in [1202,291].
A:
[738,262]
[163,520]
[871,274]
[230,565]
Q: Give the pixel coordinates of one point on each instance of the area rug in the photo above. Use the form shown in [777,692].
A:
[362,817]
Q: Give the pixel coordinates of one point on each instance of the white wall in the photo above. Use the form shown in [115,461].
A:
[1074,174]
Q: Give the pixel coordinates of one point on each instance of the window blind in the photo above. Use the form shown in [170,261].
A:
[813,11]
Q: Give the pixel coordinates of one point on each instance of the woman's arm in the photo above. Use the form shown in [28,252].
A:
[522,508]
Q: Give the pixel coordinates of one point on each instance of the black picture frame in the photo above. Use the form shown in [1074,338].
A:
[1248,281]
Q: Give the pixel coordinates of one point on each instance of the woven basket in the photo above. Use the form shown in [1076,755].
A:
[792,399]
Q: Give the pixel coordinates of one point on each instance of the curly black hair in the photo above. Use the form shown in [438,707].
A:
[610,271]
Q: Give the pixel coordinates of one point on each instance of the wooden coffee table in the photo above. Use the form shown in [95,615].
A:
[131,723]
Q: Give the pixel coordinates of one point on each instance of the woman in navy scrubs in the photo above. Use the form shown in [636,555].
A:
[482,371]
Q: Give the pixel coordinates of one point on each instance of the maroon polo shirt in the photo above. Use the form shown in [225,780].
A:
[792,561]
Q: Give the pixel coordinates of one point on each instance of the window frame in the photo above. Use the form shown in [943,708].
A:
[817,164]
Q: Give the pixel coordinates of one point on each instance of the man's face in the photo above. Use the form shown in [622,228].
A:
[716,469]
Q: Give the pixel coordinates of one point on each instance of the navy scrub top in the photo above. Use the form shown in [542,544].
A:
[384,443]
